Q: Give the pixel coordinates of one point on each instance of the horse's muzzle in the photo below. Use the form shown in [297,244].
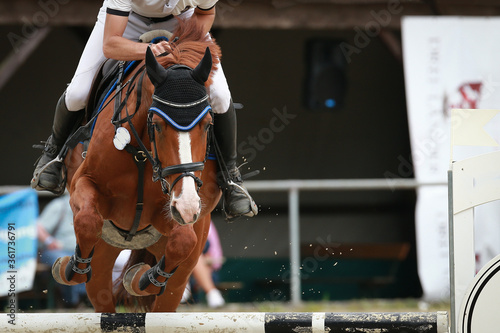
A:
[185,214]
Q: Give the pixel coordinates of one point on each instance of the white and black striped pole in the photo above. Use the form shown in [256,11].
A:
[426,322]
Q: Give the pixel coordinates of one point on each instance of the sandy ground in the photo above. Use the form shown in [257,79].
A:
[397,305]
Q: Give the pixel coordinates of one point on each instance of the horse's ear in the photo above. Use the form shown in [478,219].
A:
[157,74]
[202,71]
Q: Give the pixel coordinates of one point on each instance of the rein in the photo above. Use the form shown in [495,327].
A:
[139,156]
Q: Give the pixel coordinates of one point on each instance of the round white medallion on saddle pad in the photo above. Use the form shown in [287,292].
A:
[479,312]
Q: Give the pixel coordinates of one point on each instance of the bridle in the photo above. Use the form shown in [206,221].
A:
[184,169]
[159,172]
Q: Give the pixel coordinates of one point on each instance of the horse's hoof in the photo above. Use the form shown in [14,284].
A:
[58,269]
[58,272]
[132,277]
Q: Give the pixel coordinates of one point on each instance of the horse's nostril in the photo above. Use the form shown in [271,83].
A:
[176,214]
[195,217]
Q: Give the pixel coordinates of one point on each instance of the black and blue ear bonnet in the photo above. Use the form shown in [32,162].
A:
[180,96]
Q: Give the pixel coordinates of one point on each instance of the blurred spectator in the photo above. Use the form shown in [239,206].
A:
[120,263]
[205,271]
[56,238]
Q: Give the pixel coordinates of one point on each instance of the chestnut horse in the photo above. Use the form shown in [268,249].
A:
[177,187]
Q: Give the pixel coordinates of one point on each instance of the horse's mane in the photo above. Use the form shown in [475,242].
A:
[190,47]
[188,50]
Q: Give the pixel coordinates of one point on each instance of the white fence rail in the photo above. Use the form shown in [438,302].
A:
[250,322]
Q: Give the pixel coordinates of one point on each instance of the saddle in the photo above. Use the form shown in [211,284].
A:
[102,85]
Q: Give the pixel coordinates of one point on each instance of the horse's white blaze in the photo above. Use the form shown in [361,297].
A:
[188,201]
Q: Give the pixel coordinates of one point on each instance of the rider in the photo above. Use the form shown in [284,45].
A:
[116,33]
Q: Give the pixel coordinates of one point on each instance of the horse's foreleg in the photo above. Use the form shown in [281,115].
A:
[143,280]
[170,299]
[100,287]
[88,226]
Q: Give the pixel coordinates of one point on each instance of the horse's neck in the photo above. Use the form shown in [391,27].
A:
[139,123]
[138,114]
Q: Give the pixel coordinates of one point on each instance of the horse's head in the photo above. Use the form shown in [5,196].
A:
[178,123]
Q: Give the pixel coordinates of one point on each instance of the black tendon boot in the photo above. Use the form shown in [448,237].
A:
[236,199]
[48,174]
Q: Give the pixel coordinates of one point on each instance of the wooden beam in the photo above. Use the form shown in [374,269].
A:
[261,14]
[43,13]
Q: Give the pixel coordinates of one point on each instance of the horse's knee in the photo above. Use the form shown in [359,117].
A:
[88,226]
[181,242]
[88,219]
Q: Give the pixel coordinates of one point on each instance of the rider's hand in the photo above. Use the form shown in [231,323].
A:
[160,48]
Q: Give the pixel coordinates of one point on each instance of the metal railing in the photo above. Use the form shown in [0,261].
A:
[6,189]
[294,187]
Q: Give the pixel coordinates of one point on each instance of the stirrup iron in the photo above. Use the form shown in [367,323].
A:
[253,207]
[35,181]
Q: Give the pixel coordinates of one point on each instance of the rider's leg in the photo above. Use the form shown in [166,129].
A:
[49,177]
[237,200]
[69,111]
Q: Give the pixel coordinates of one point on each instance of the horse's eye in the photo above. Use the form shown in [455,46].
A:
[157,127]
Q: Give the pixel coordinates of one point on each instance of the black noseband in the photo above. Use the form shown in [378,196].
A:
[182,168]
[185,170]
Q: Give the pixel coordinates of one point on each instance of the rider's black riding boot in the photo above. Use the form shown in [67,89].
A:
[48,172]
[237,200]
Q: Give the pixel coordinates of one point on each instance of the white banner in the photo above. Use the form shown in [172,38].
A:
[449,62]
